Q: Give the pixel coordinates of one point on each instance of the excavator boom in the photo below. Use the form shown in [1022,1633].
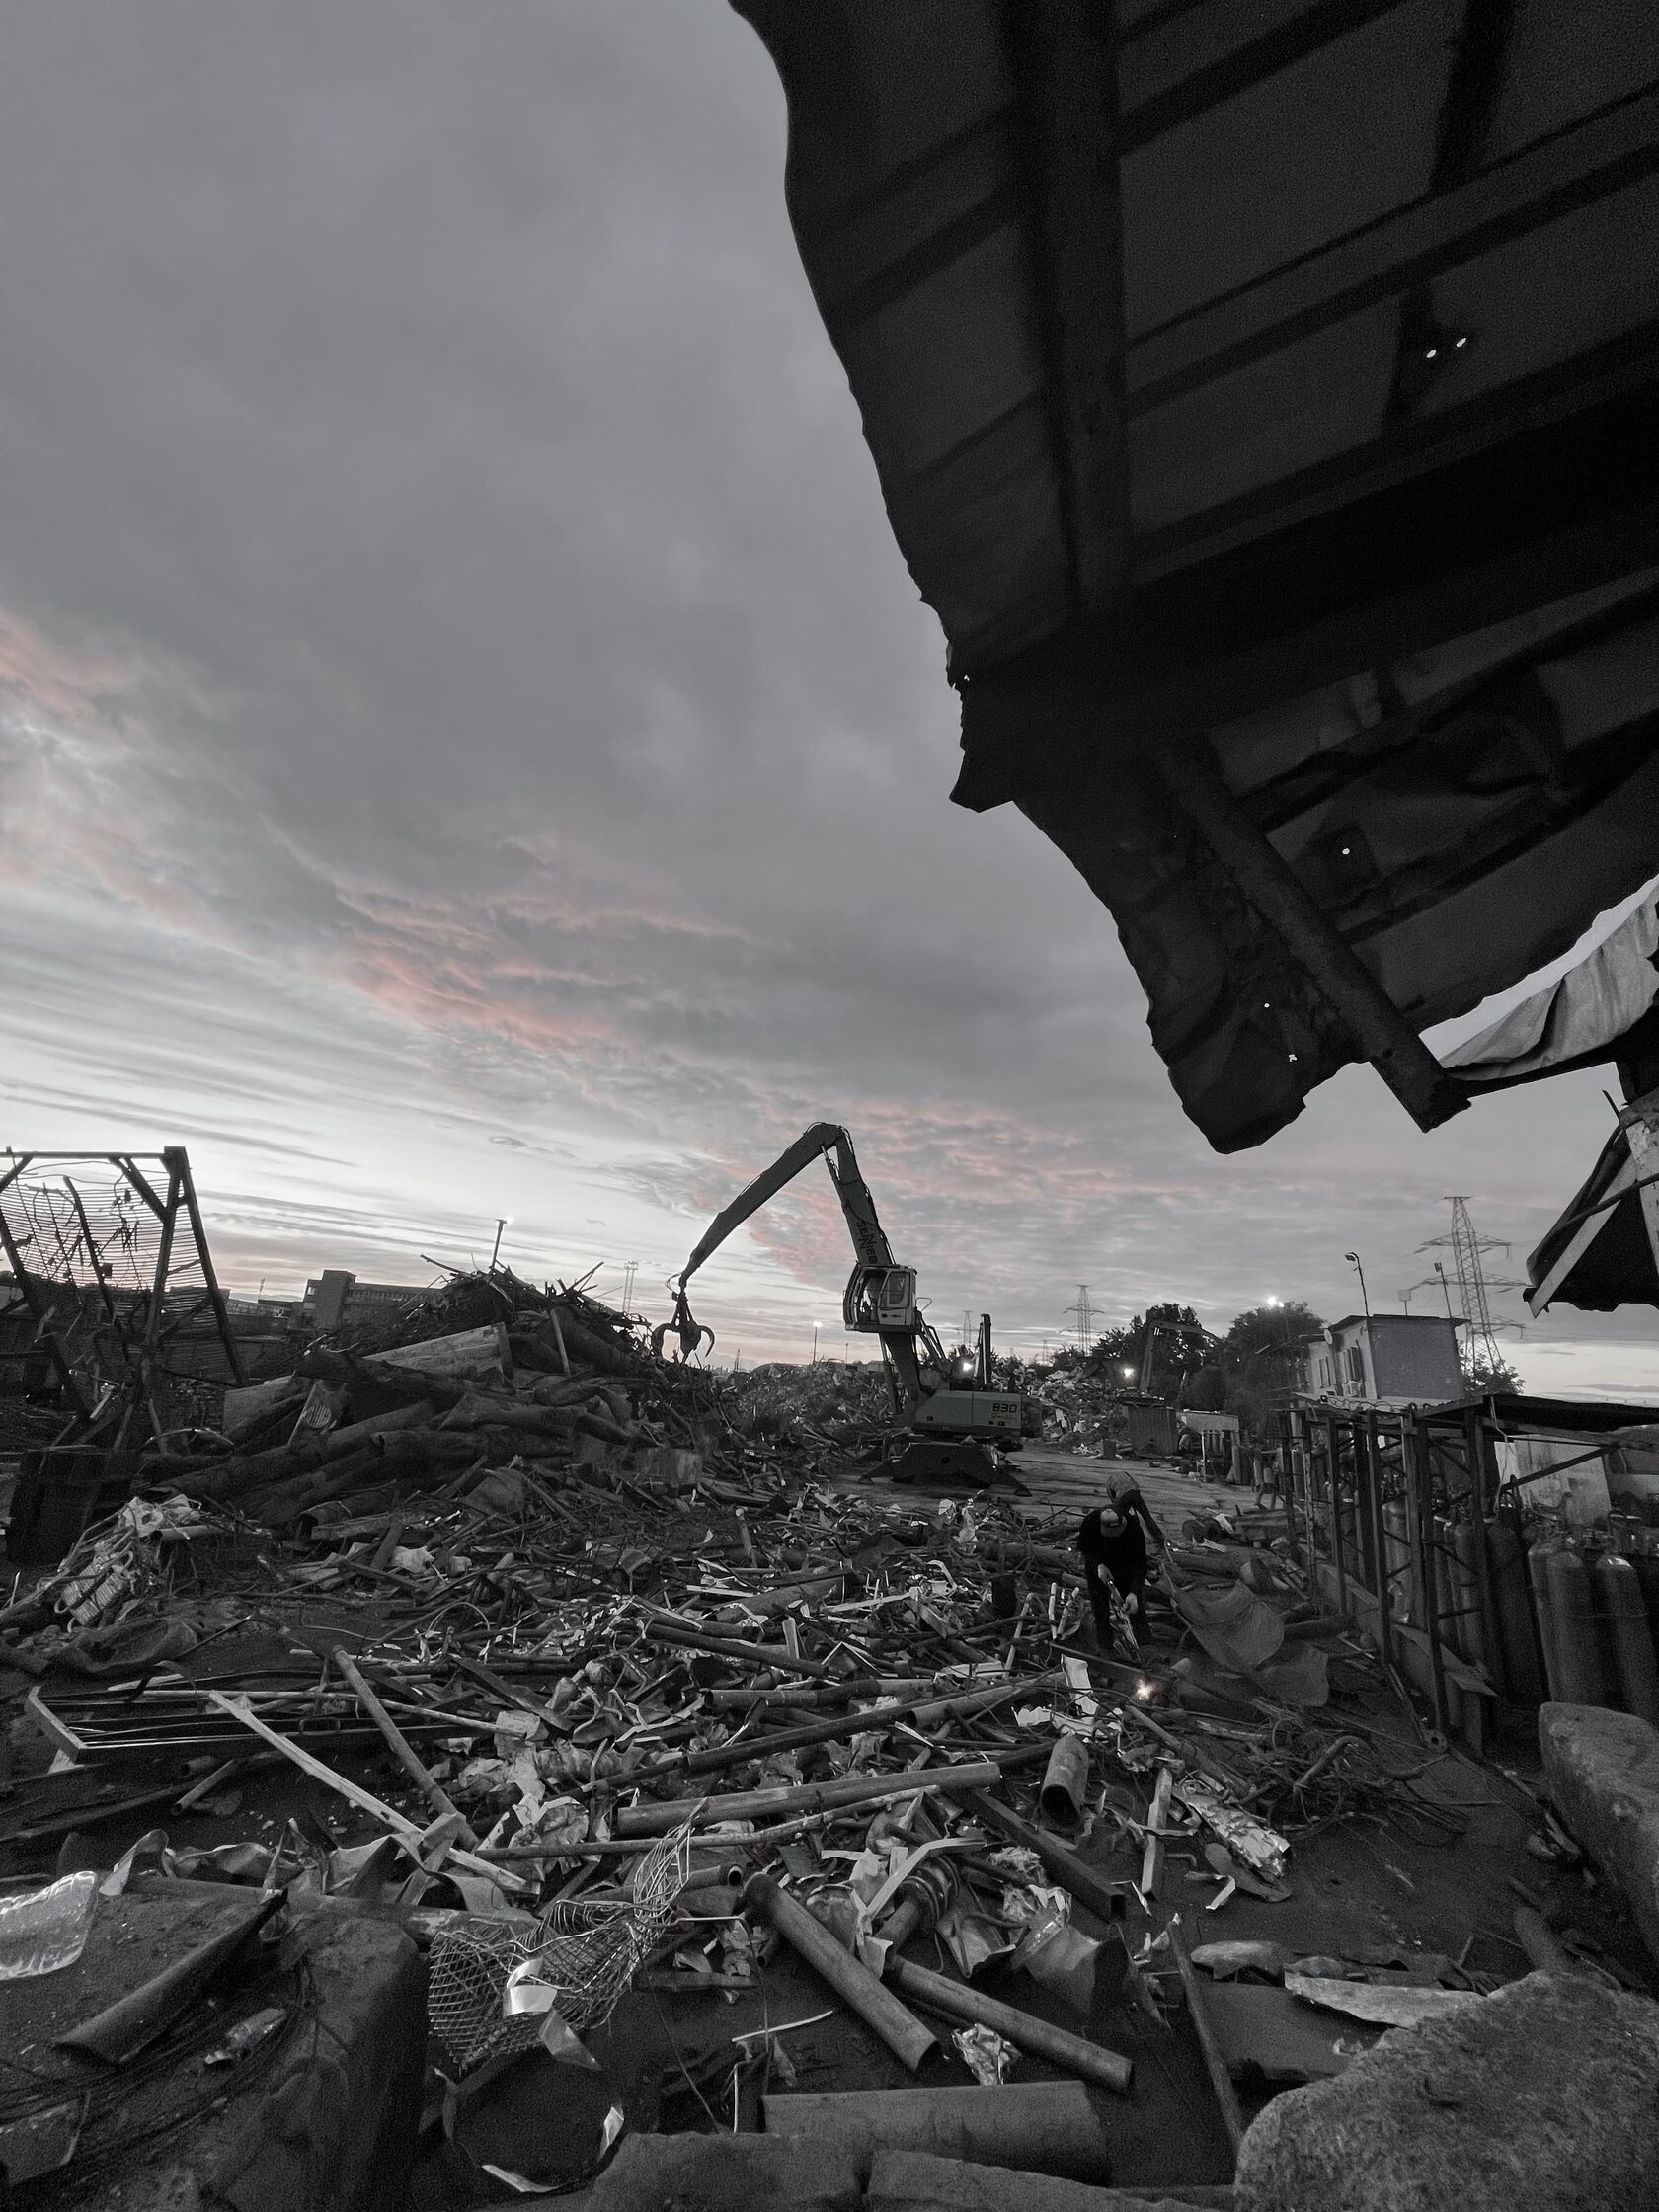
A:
[955,1423]
[879,1297]
[823,1137]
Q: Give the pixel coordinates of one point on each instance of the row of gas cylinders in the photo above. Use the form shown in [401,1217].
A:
[1596,1620]
[1597,1616]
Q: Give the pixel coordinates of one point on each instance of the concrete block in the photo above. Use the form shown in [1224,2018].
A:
[1543,2099]
[1602,1772]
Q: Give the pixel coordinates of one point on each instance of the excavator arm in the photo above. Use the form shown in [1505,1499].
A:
[879,1297]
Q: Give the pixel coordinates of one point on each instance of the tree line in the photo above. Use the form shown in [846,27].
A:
[1244,1370]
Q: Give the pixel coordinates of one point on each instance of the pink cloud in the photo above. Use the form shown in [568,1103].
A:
[65,685]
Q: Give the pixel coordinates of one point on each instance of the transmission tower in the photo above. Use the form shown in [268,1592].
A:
[1086,1317]
[1468,1250]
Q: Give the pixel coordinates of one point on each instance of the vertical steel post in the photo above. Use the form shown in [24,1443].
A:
[221,1312]
[1475,1434]
[164,1260]
[1420,1521]
[1335,1514]
[1372,1487]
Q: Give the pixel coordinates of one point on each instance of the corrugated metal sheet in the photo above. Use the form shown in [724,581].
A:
[1281,379]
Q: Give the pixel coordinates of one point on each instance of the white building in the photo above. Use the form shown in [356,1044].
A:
[1385,1359]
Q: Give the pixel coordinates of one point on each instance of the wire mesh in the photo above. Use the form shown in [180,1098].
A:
[587,1953]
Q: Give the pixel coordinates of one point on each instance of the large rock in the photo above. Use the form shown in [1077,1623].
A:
[1602,1771]
[1545,2099]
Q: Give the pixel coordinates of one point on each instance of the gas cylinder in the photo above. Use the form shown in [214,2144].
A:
[1540,1552]
[1572,1608]
[1646,1564]
[1522,1680]
[1624,1615]
[1466,1585]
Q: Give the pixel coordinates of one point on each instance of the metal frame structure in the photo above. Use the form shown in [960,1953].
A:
[1384,1498]
[109,1347]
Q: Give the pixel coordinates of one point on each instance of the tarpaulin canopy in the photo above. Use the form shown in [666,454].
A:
[1264,397]
[1598,1254]
[1601,1252]
[1596,1012]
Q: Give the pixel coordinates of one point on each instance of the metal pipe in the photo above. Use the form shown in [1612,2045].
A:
[1088,1888]
[851,1979]
[1065,1783]
[1091,2061]
[813,1796]
[402,1751]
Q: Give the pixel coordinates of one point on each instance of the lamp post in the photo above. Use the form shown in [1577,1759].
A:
[815,1344]
[1277,1305]
[501,1223]
[1353,1259]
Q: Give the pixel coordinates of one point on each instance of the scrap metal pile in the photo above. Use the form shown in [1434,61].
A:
[671,1690]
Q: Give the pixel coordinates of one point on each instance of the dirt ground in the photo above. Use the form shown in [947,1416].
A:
[667,2059]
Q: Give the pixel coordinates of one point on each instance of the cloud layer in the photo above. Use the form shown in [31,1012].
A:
[469,746]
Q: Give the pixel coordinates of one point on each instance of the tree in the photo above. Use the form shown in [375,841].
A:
[1258,1353]
[1176,1359]
[1489,1375]
[1207,1388]
[1268,1332]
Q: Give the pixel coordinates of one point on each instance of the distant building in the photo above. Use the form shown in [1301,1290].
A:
[1385,1359]
[335,1298]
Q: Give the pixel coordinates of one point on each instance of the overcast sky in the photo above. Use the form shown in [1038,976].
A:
[469,745]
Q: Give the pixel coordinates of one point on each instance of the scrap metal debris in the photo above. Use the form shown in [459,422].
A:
[616,1673]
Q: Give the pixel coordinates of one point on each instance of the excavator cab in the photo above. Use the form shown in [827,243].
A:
[878,1298]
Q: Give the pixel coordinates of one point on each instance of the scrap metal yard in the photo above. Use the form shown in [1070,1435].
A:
[1061,597]
[627,1751]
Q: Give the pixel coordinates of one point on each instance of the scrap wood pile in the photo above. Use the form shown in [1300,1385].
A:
[666,1738]
[488,1373]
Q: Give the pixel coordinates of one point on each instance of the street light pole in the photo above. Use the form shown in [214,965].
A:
[1364,1300]
[815,1344]
[501,1223]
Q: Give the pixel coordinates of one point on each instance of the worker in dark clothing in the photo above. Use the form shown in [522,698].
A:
[1113,1543]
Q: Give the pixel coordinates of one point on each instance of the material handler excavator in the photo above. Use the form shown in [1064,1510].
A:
[951,1424]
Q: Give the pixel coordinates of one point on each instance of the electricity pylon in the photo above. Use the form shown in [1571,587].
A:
[1467,1249]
